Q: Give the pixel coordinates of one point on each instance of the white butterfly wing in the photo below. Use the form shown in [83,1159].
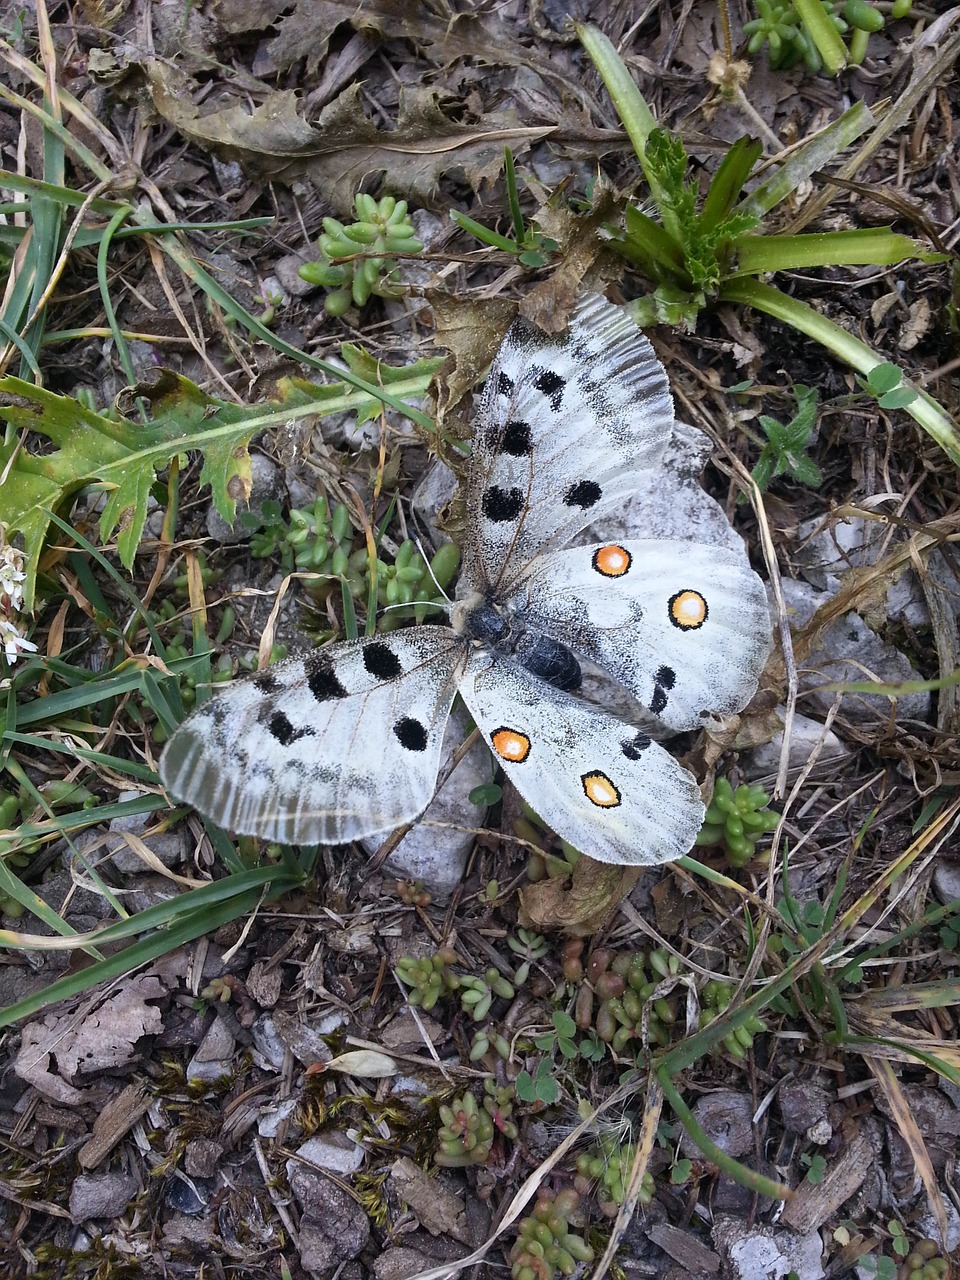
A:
[565,421]
[323,749]
[599,783]
[684,627]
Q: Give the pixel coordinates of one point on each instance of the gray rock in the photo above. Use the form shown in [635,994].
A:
[805,734]
[828,550]
[214,1056]
[764,1253]
[927,1226]
[849,651]
[202,1157]
[332,1150]
[101,1195]
[726,1117]
[946,879]
[333,1228]
[287,270]
[802,1103]
[400,1263]
[268,1043]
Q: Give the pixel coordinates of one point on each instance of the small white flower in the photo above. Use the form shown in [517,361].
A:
[11,575]
[13,641]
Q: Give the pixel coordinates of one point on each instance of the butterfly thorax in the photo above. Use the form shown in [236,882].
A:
[500,628]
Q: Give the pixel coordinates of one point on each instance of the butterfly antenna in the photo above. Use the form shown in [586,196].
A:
[423,556]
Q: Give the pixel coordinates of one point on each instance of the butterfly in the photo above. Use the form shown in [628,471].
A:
[346,742]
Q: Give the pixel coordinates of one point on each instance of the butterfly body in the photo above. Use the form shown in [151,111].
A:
[347,741]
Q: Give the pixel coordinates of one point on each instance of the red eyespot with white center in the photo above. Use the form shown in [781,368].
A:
[612,561]
[510,744]
[599,790]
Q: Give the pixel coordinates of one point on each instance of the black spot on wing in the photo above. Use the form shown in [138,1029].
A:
[501,505]
[267,682]
[583,494]
[634,747]
[551,384]
[322,679]
[284,732]
[664,680]
[411,734]
[381,662]
[515,440]
[504,384]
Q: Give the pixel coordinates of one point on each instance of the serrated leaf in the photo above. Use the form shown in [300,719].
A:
[121,455]
[124,456]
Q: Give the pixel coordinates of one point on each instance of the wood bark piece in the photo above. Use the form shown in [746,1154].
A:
[115,1120]
[812,1205]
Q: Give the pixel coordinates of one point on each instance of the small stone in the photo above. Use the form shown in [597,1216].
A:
[101,1195]
[727,1119]
[201,1157]
[805,736]
[214,1056]
[287,271]
[400,1264]
[946,879]
[848,650]
[333,1228]
[333,1151]
[802,1103]
[763,1253]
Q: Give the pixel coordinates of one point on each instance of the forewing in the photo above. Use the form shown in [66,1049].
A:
[598,782]
[323,749]
[686,628]
[565,421]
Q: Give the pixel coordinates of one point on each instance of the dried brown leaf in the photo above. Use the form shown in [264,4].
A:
[344,148]
[595,891]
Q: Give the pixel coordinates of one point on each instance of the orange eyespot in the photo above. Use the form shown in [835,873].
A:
[612,561]
[510,745]
[599,790]
[687,610]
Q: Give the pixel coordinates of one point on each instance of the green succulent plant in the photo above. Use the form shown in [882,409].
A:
[616,993]
[715,997]
[546,1245]
[736,820]
[358,259]
[607,1164]
[428,977]
[320,539]
[469,1129]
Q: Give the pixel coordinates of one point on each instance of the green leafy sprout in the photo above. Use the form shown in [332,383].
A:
[698,253]
[785,452]
[529,245]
